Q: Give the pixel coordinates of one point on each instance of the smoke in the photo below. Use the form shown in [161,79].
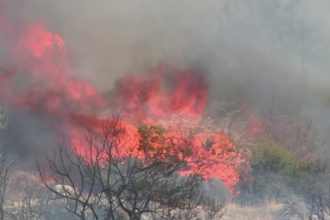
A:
[253,42]
[262,51]
[111,38]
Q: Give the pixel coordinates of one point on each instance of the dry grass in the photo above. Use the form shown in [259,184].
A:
[265,212]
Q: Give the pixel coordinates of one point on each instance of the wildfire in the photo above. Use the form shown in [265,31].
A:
[172,98]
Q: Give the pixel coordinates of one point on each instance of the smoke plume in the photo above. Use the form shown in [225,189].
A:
[263,51]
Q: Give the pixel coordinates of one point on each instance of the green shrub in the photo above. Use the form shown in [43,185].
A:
[273,158]
[277,172]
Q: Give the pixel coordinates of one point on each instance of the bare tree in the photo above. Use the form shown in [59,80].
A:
[6,162]
[107,185]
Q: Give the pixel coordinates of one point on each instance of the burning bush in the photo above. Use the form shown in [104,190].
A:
[112,185]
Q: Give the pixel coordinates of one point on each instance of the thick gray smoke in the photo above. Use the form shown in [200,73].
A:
[263,51]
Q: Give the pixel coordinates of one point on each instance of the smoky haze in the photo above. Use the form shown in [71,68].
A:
[263,51]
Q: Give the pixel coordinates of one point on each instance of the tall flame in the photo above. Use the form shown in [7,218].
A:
[169,97]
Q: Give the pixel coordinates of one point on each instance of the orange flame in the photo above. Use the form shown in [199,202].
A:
[172,98]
